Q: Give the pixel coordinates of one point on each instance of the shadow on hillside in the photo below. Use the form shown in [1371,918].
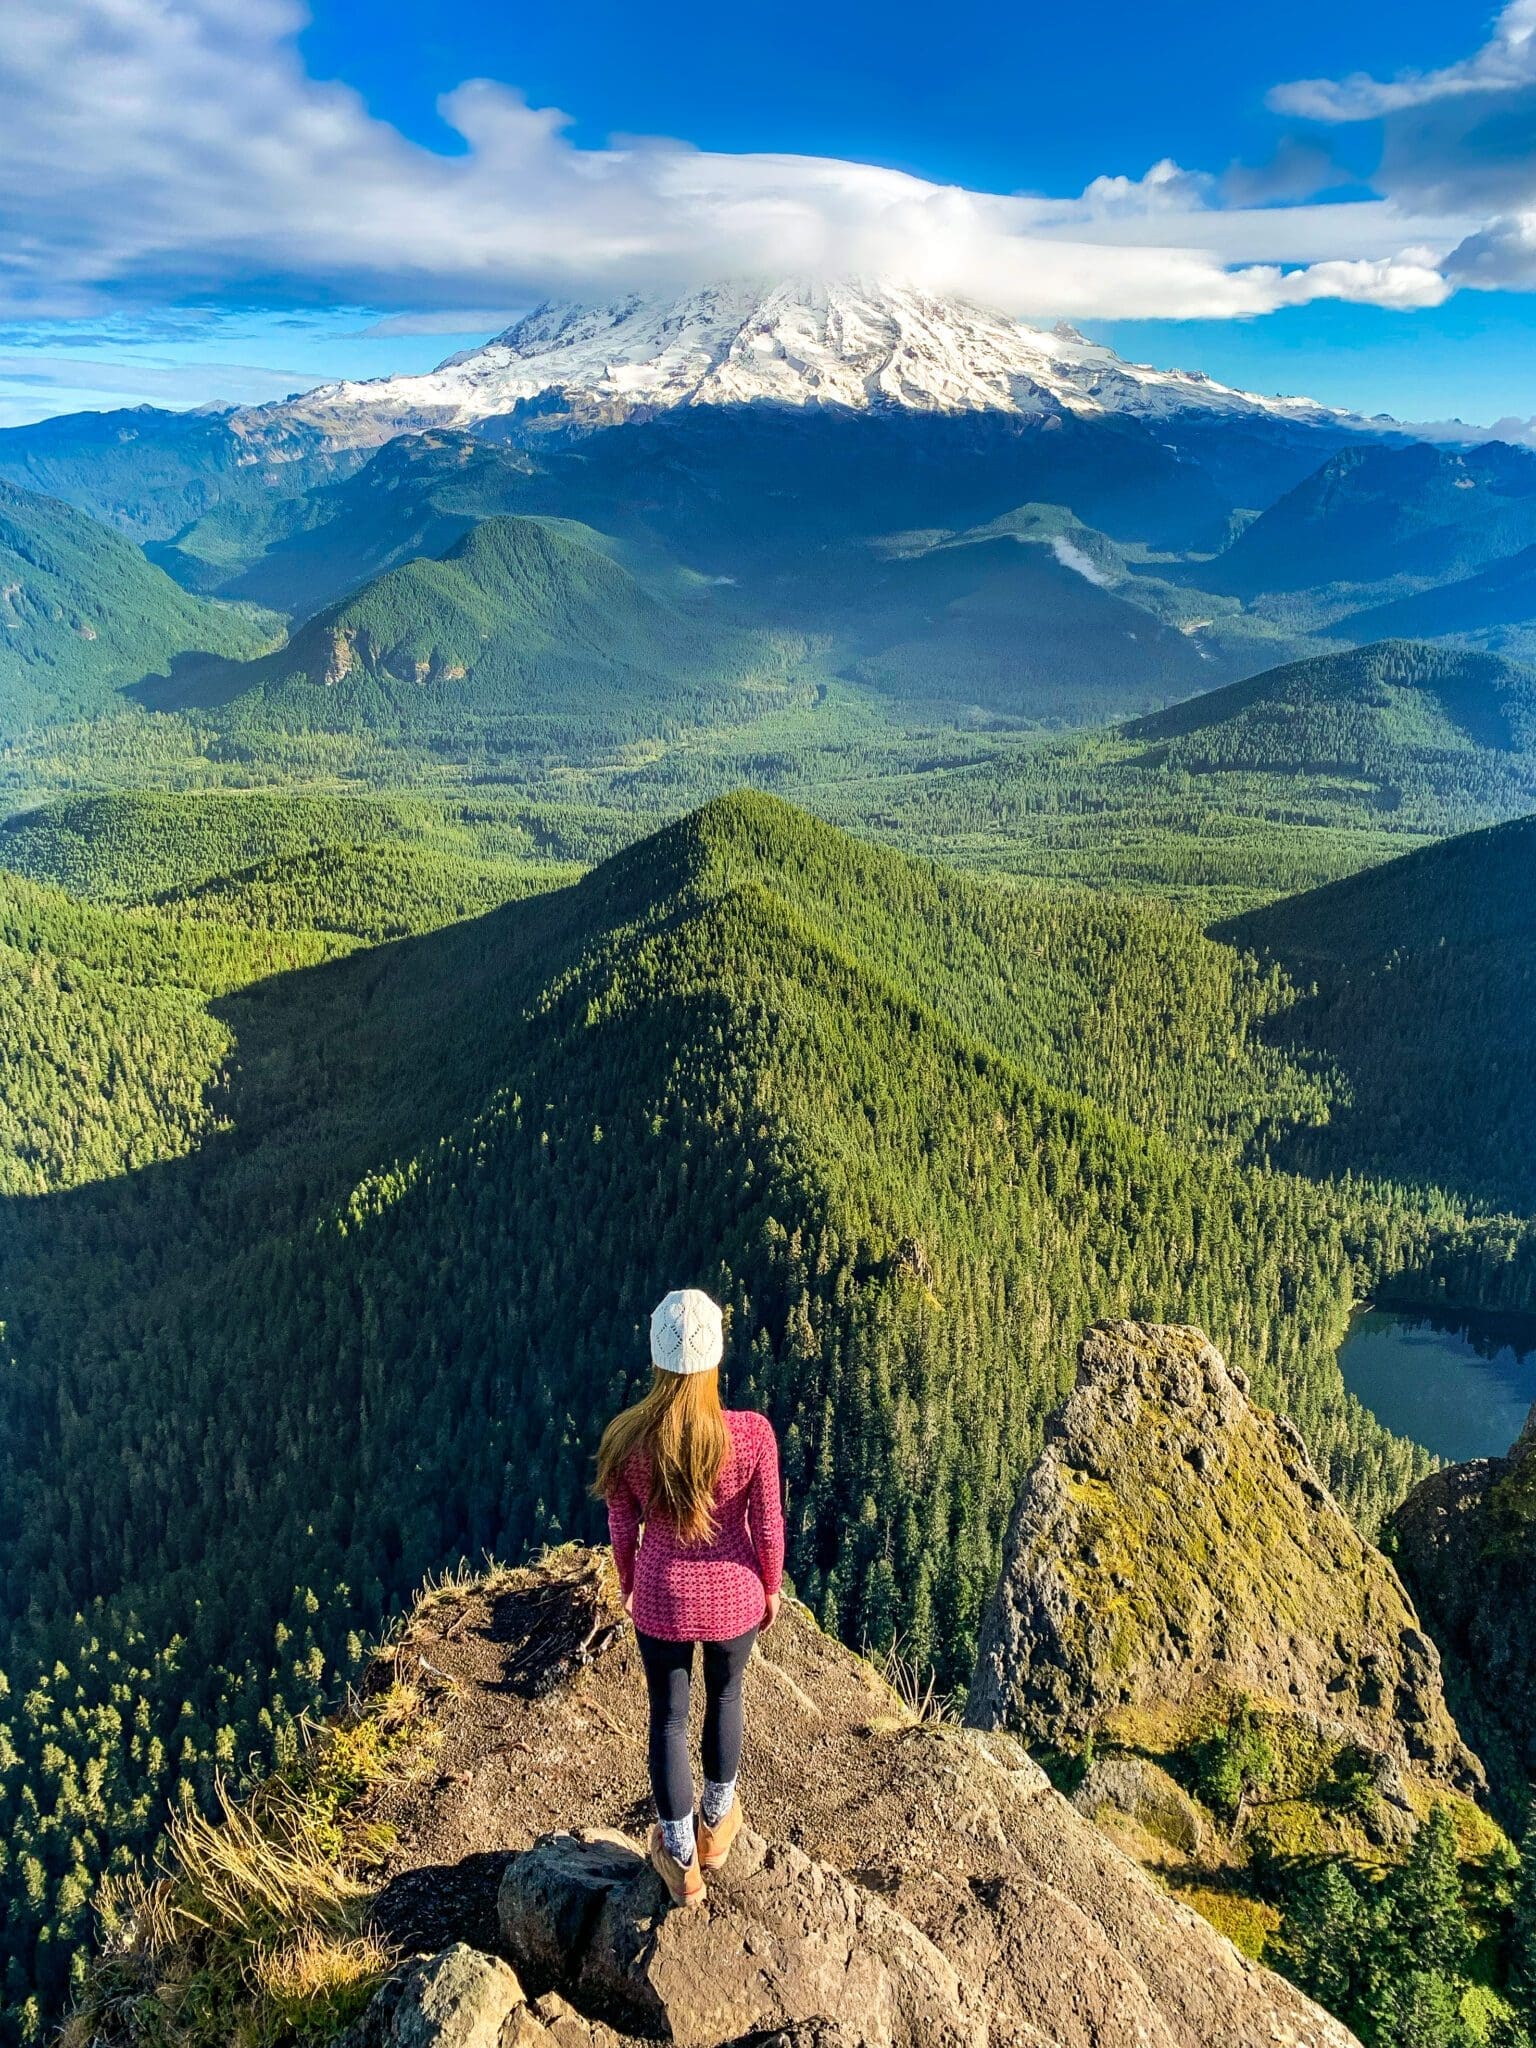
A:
[136,1307]
[1416,997]
[345,1065]
[199,681]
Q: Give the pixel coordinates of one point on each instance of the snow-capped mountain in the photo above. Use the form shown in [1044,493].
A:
[853,346]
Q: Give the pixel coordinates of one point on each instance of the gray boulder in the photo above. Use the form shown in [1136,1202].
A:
[781,1940]
[1141,1789]
[459,1999]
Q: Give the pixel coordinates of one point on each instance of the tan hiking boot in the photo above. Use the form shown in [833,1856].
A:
[715,1843]
[682,1880]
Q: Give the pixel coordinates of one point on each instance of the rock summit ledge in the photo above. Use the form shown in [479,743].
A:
[903,1883]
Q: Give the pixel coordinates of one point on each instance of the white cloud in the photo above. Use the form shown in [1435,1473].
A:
[1166,188]
[1499,257]
[1506,60]
[1460,139]
[153,149]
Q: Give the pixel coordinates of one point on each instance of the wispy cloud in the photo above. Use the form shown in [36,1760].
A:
[195,355]
[158,148]
[1507,60]
[1460,139]
[469,320]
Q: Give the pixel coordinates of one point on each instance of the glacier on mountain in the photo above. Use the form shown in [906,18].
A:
[852,346]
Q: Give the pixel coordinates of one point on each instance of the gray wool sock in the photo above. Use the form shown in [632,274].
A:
[677,1838]
[715,1801]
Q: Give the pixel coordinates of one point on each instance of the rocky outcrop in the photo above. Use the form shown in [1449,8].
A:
[1173,1545]
[783,1938]
[466,1999]
[902,1880]
[1465,1540]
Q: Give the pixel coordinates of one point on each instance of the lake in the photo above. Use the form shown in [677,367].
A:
[1458,1382]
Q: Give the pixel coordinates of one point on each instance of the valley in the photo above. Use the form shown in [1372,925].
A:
[945,836]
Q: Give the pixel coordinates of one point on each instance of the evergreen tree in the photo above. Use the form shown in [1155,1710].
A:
[1426,1917]
[1326,1938]
[1423,2010]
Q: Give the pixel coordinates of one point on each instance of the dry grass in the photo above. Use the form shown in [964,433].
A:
[253,1927]
[437,1588]
[917,1690]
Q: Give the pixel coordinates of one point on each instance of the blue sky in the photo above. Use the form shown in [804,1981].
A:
[229,199]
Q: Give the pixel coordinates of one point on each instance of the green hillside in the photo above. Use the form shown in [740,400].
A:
[148,472]
[1383,514]
[525,639]
[360,1308]
[1046,620]
[1280,783]
[1360,711]
[137,846]
[83,616]
[109,1046]
[1499,597]
[1424,976]
[417,496]
[1432,732]
[1016,625]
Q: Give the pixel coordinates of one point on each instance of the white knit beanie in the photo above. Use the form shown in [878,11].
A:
[686,1335]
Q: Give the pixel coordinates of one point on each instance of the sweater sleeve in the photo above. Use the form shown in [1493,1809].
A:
[624,1532]
[764,1511]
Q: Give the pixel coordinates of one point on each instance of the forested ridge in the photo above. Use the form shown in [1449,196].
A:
[84,617]
[1421,988]
[358,1304]
[1280,784]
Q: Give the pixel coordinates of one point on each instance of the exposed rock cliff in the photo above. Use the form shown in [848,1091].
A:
[909,1884]
[1174,1546]
[1466,1542]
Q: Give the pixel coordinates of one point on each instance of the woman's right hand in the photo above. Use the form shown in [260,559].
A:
[771,1611]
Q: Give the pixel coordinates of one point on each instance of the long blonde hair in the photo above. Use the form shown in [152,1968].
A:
[680,1427]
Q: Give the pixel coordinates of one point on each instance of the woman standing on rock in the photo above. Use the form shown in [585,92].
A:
[705,1483]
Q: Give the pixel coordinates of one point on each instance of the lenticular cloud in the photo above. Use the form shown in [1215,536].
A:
[159,148]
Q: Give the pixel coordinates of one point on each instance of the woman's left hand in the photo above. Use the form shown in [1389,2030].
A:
[629,1603]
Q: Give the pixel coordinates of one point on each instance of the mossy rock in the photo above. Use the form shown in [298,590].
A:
[1173,1547]
[1145,1793]
[1247,1923]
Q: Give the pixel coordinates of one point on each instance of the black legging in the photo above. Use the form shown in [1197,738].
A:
[668,1669]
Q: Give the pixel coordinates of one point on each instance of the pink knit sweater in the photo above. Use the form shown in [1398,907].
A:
[705,1592]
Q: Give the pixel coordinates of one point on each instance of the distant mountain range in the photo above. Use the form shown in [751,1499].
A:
[1376,514]
[915,496]
[877,353]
